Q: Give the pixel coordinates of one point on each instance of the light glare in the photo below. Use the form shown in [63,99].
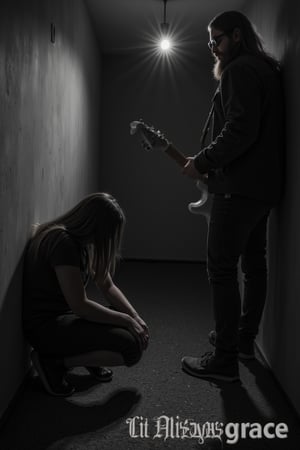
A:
[165,44]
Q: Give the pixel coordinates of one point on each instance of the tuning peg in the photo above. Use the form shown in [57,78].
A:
[146,146]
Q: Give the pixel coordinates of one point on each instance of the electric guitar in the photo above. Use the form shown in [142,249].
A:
[152,139]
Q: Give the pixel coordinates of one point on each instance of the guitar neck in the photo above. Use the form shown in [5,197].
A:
[176,155]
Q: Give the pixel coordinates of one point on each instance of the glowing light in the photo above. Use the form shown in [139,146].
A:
[165,44]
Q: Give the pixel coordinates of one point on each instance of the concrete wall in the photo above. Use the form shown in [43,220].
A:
[278,22]
[175,97]
[49,142]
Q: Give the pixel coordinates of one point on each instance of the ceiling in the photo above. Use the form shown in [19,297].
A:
[123,25]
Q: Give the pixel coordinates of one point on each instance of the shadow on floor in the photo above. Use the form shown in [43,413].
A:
[42,420]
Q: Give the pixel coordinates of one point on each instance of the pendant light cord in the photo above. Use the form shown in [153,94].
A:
[165,11]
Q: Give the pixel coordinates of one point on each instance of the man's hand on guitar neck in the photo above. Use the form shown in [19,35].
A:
[191,171]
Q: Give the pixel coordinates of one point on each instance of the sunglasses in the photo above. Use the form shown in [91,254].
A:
[216,41]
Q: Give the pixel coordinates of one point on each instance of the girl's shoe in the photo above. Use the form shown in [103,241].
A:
[52,375]
[100,373]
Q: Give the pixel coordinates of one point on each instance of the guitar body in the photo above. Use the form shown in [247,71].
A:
[152,139]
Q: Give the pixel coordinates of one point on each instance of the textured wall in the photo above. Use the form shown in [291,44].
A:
[278,23]
[49,144]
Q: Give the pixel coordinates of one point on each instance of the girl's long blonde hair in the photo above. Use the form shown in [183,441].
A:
[96,223]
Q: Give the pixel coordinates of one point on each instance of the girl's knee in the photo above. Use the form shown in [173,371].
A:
[133,353]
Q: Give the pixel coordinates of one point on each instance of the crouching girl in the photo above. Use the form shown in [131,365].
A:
[66,328]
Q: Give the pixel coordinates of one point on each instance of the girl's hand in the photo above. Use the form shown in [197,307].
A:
[142,323]
[141,332]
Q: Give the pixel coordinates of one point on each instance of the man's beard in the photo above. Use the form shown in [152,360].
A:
[218,69]
[220,64]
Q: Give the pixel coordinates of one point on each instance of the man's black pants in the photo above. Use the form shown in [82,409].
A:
[237,228]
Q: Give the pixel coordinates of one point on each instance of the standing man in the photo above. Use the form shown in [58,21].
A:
[243,166]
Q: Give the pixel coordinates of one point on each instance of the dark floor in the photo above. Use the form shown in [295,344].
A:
[173,298]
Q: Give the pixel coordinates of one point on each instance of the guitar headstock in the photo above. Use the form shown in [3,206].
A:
[150,138]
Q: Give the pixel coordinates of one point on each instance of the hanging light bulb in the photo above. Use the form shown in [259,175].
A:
[165,43]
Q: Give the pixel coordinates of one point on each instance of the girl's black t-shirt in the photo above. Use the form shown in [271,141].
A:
[42,295]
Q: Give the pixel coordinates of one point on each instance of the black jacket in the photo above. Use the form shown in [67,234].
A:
[245,156]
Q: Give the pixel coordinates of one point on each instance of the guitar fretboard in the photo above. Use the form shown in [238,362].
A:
[175,154]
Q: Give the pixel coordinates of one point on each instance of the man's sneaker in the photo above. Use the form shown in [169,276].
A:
[221,367]
[246,345]
[100,373]
[51,373]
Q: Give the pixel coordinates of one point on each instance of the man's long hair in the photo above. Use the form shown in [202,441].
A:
[250,43]
[96,224]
